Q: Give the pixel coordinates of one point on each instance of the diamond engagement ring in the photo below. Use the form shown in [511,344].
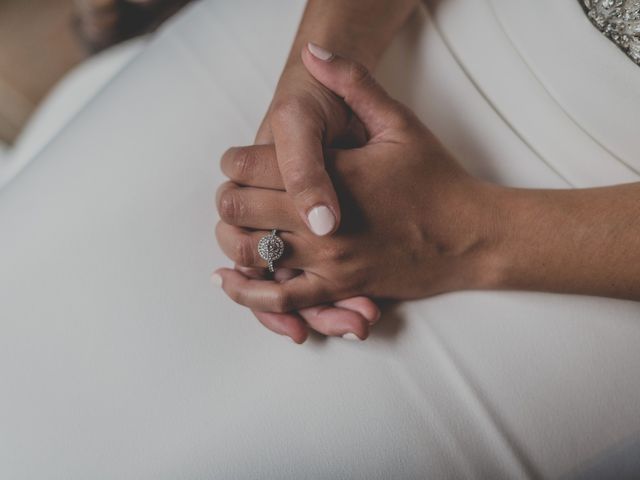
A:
[270,249]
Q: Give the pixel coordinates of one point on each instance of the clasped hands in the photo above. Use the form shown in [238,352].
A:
[368,203]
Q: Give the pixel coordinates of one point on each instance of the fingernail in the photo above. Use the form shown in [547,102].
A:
[319,52]
[321,220]
[351,336]
[291,339]
[216,279]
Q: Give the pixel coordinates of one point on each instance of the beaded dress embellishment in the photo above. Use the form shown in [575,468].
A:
[619,20]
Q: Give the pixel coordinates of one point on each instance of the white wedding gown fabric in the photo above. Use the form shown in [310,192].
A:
[119,359]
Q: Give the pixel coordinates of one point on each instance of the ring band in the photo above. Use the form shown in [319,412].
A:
[270,249]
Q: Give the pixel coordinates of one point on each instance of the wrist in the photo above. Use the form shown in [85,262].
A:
[526,229]
[493,219]
[580,241]
[360,31]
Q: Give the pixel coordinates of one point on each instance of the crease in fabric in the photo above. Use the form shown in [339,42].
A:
[562,108]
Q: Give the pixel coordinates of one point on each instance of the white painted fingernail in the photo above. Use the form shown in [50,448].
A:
[351,336]
[321,220]
[319,52]
[216,280]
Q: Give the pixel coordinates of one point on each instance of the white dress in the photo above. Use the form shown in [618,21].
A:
[119,360]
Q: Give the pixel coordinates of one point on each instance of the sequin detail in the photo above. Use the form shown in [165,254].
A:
[619,20]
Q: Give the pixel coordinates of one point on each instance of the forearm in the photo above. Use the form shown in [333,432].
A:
[584,241]
[358,29]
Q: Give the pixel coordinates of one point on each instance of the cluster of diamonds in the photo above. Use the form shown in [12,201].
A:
[620,21]
[270,247]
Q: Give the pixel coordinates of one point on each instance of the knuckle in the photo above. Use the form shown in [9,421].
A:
[237,296]
[230,207]
[244,163]
[336,252]
[358,280]
[349,274]
[227,155]
[403,118]
[244,255]
[282,302]
[353,281]
[286,109]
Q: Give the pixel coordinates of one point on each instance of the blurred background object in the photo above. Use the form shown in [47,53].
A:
[41,40]
[103,23]
[37,46]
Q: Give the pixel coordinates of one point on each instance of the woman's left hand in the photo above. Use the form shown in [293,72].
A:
[414,222]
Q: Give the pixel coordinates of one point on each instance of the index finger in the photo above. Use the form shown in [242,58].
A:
[252,166]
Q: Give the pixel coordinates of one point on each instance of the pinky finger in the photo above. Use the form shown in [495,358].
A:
[270,296]
[287,324]
[363,305]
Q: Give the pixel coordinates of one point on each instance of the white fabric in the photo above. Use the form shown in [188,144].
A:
[119,360]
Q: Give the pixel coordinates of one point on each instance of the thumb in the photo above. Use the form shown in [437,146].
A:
[352,82]
[298,135]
